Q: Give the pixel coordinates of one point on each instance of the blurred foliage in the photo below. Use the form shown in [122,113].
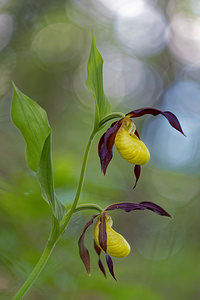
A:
[44,49]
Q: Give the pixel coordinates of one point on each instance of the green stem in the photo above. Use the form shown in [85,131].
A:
[67,217]
[52,238]
[39,266]
[88,206]
[110,117]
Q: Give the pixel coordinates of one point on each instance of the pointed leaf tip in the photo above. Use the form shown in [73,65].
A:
[13,84]
[95,81]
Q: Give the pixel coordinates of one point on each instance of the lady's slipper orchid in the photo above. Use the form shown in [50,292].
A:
[127,141]
[107,239]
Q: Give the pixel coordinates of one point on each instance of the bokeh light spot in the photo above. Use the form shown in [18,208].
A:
[145,33]
[57,43]
[6,29]
[169,149]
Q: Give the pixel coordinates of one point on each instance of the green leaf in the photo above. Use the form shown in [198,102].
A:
[45,178]
[95,82]
[32,121]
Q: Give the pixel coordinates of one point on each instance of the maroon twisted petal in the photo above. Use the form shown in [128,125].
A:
[100,263]
[102,232]
[137,172]
[129,206]
[110,265]
[172,119]
[83,251]
[106,145]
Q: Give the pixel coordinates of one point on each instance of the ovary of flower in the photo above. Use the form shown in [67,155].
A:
[130,147]
[116,244]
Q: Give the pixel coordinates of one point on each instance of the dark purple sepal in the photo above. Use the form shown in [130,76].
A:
[102,232]
[110,265]
[129,206]
[137,172]
[101,141]
[106,145]
[100,263]
[172,119]
[83,251]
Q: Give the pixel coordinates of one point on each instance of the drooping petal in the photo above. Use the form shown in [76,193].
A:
[106,145]
[110,265]
[129,206]
[137,172]
[83,251]
[100,263]
[102,232]
[172,119]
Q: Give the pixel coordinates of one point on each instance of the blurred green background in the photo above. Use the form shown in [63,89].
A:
[151,58]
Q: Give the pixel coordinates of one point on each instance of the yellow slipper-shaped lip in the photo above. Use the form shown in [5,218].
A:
[117,246]
[131,148]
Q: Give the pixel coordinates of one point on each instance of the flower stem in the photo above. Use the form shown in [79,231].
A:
[88,206]
[67,217]
[54,237]
[110,117]
[38,268]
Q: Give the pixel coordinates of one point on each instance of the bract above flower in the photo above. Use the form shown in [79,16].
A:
[107,239]
[124,135]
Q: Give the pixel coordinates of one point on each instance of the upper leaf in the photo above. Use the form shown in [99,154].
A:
[95,81]
[32,121]
[45,177]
